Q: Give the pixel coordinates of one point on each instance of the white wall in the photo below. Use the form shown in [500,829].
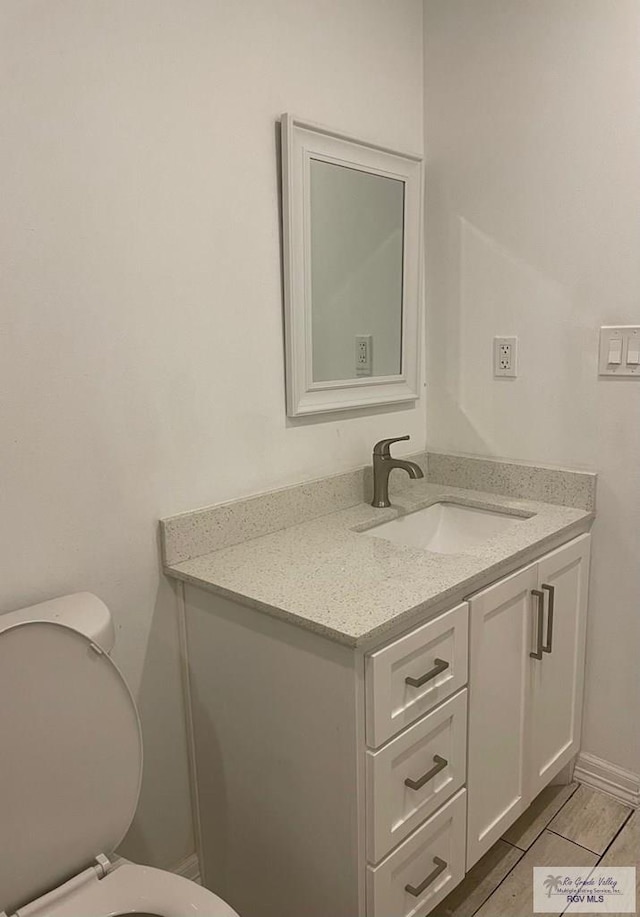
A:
[533,203]
[141,369]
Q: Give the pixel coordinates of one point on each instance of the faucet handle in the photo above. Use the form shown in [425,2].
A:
[384,446]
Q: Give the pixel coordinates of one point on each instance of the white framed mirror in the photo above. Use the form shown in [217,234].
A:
[352,220]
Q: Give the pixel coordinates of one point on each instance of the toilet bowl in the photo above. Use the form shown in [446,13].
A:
[70,774]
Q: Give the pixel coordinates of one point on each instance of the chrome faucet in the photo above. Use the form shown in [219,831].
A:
[383,465]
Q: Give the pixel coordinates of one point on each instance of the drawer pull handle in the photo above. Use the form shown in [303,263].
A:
[440,666]
[417,890]
[438,765]
[537,653]
[552,594]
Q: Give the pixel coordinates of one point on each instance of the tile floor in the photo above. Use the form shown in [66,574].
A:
[565,825]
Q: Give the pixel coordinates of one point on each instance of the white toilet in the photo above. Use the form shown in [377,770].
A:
[70,773]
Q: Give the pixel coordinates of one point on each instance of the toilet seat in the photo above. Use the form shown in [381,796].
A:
[71,762]
[136,890]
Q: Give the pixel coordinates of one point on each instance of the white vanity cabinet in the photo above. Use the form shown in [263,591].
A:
[363,782]
[527,635]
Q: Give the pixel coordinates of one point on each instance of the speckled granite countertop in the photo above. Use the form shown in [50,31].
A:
[325,575]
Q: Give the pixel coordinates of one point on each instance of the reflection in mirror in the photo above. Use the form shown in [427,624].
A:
[356,272]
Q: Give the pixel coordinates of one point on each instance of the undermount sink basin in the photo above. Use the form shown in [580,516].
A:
[446,528]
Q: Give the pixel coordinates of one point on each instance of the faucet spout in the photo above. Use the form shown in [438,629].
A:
[414,471]
[383,465]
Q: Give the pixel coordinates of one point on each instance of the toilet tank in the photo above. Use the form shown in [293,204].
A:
[81,611]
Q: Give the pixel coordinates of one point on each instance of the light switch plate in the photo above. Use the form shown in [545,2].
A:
[628,337]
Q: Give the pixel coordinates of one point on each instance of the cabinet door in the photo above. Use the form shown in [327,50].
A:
[500,638]
[556,680]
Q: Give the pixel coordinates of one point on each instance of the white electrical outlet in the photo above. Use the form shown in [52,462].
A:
[505,357]
[364,354]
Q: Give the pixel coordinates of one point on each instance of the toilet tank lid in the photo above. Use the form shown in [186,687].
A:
[71,762]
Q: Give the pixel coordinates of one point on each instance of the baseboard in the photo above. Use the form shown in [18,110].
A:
[189,868]
[608,778]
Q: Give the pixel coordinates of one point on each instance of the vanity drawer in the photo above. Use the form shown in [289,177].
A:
[414,673]
[430,863]
[436,745]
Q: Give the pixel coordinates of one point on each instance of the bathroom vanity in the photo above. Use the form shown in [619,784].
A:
[368,717]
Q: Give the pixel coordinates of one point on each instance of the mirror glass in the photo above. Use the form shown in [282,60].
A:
[356,236]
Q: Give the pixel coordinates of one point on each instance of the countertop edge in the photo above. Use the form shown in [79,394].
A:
[274,611]
[406,619]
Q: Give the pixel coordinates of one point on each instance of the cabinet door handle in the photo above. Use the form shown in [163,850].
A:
[439,764]
[440,666]
[417,890]
[548,646]
[537,653]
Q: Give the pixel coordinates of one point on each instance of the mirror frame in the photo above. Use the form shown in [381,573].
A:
[301,142]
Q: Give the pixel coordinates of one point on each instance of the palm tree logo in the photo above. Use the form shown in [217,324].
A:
[552,883]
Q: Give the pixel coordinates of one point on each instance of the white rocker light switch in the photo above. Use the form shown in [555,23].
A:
[633,351]
[615,350]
